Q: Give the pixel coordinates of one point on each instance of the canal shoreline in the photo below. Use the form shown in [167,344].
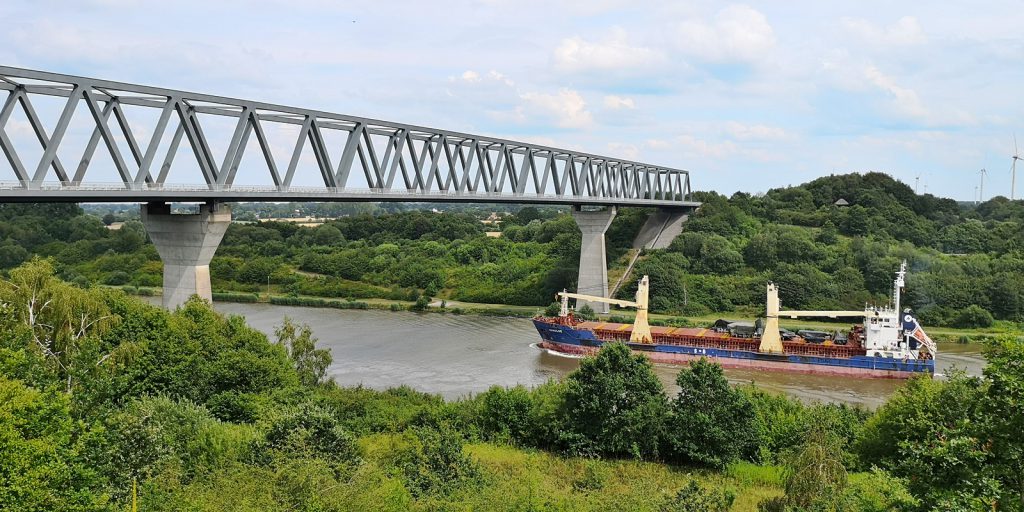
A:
[460,355]
[441,306]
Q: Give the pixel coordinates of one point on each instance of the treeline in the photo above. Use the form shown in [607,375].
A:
[965,263]
[397,256]
[100,390]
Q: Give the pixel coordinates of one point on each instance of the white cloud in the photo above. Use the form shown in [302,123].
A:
[492,77]
[906,31]
[613,102]
[622,150]
[657,144]
[737,33]
[906,100]
[693,146]
[745,132]
[614,53]
[566,108]
[499,77]
[516,115]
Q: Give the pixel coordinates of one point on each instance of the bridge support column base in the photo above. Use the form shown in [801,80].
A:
[186,243]
[593,277]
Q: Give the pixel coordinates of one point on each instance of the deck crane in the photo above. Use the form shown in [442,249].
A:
[641,328]
[771,341]
[883,324]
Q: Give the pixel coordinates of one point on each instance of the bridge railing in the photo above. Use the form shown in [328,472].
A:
[373,156]
[188,192]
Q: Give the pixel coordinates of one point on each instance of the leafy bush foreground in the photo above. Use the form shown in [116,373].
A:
[99,390]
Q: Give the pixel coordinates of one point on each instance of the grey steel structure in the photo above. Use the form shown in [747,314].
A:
[378,160]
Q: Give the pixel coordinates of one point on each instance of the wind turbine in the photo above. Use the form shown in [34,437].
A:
[1013,168]
[981,194]
[916,181]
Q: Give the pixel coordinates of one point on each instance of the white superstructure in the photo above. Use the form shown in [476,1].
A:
[888,332]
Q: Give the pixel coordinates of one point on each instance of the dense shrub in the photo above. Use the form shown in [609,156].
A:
[436,463]
[318,303]
[696,498]
[506,414]
[309,431]
[235,297]
[710,422]
[973,316]
[614,405]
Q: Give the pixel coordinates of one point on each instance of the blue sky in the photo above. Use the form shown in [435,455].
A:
[747,96]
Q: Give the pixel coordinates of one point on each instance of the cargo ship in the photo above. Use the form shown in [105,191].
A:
[888,343]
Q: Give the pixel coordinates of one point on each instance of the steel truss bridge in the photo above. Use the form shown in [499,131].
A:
[373,161]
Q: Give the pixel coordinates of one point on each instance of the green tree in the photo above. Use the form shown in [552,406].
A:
[815,471]
[718,256]
[436,463]
[710,422]
[12,255]
[760,251]
[421,304]
[505,414]
[65,323]
[553,309]
[1003,410]
[41,447]
[310,362]
[311,431]
[158,434]
[973,316]
[614,405]
[829,233]
[929,432]
[327,235]
[586,313]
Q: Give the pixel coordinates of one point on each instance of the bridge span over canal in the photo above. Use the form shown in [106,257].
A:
[157,149]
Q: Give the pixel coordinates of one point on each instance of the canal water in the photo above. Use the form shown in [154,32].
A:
[458,355]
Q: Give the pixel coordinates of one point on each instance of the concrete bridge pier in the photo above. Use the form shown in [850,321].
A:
[186,243]
[593,278]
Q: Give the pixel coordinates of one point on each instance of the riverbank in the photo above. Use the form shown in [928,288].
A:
[940,334]
[460,355]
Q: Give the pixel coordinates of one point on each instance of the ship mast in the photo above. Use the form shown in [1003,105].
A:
[898,285]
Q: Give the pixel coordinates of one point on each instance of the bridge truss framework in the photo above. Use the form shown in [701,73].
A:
[377,161]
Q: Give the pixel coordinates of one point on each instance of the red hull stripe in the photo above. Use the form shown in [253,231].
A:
[745,364]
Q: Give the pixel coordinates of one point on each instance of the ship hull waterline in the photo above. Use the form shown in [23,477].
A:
[567,340]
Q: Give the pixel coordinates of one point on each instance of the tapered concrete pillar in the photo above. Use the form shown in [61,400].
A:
[593,279]
[186,243]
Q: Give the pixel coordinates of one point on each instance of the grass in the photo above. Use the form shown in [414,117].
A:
[518,479]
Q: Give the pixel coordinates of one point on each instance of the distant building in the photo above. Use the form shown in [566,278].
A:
[494,218]
[841,202]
